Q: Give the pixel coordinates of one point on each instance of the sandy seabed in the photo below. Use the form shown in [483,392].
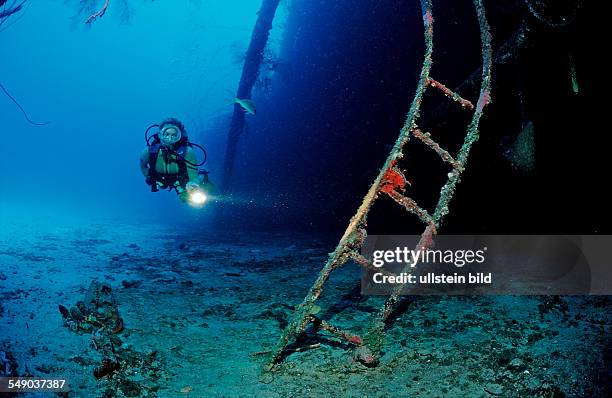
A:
[196,307]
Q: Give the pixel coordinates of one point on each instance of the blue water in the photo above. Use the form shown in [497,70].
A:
[100,85]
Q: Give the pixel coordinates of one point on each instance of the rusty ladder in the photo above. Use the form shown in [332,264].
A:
[391,182]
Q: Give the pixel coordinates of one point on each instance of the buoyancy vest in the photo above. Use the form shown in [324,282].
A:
[168,180]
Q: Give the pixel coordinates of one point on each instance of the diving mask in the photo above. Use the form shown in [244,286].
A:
[169,135]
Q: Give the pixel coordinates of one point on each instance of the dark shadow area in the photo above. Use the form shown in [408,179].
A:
[340,102]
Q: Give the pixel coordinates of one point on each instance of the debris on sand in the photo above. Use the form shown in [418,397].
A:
[131,283]
[8,365]
[123,370]
[98,311]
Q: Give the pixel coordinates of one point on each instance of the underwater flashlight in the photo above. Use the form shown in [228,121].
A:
[197,197]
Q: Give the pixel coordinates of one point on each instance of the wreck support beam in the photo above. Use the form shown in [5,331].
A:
[250,70]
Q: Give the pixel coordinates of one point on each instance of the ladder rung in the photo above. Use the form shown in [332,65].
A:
[426,139]
[361,260]
[451,94]
[410,205]
[328,327]
[367,264]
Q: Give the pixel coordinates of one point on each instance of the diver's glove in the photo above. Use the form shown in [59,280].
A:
[191,186]
[193,194]
[183,193]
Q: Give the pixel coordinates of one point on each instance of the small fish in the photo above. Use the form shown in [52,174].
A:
[246,104]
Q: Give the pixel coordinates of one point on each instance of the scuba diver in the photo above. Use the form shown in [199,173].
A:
[169,162]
